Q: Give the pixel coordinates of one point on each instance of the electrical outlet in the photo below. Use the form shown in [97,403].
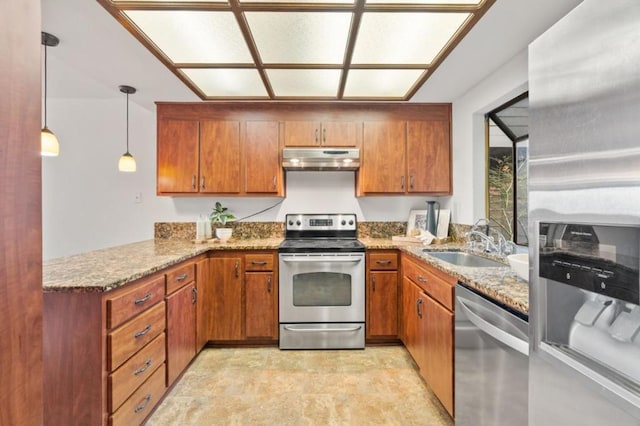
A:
[138,197]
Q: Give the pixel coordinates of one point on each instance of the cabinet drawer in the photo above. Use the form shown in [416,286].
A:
[129,304]
[431,282]
[130,337]
[259,262]
[383,261]
[134,372]
[139,405]
[180,276]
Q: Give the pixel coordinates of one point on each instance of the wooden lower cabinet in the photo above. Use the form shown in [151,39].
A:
[427,320]
[243,303]
[225,300]
[382,296]
[203,292]
[261,320]
[109,356]
[181,330]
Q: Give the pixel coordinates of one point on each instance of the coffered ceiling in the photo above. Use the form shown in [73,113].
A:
[294,49]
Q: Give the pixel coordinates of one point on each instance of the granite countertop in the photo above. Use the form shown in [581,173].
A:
[500,284]
[106,269]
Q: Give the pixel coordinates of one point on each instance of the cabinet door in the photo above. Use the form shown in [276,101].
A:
[439,350]
[260,306]
[181,331]
[177,156]
[219,157]
[382,297]
[302,133]
[339,133]
[202,309]
[262,158]
[225,301]
[429,157]
[383,168]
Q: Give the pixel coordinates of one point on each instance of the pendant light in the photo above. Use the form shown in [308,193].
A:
[49,146]
[127,163]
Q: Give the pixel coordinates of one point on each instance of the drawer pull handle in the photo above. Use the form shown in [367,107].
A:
[258,262]
[373,283]
[419,307]
[194,300]
[182,277]
[422,279]
[383,262]
[269,284]
[144,404]
[142,300]
[142,369]
[236,267]
[143,332]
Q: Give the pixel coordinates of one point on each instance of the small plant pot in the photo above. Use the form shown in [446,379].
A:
[223,234]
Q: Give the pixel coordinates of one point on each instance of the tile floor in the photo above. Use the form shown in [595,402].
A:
[266,386]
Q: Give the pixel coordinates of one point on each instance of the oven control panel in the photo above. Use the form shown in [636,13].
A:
[321,222]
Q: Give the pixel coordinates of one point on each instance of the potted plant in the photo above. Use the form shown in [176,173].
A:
[219,218]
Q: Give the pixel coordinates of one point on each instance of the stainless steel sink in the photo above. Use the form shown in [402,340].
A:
[459,258]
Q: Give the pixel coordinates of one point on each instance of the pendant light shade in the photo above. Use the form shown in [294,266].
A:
[127,163]
[49,146]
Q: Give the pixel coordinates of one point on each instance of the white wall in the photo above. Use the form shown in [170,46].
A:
[88,204]
[508,81]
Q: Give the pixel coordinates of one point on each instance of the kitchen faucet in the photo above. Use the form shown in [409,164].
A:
[487,243]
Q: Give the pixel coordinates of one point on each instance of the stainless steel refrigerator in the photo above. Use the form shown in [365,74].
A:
[584,218]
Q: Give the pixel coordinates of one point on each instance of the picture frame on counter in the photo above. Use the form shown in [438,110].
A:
[417,221]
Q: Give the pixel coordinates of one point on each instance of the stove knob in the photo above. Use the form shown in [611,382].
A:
[343,223]
[290,223]
[351,222]
[298,223]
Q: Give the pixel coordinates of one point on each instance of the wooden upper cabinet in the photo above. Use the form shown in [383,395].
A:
[316,133]
[263,173]
[383,158]
[429,157]
[177,156]
[219,157]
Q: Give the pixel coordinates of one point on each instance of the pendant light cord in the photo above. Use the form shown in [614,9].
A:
[127,122]
[45,86]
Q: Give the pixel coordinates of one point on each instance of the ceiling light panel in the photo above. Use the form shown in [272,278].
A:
[300,1]
[193,36]
[439,2]
[404,38]
[304,82]
[300,37]
[380,83]
[227,82]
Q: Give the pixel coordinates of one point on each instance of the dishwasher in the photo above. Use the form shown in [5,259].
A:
[491,362]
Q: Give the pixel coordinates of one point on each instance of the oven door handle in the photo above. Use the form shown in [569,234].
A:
[313,330]
[321,259]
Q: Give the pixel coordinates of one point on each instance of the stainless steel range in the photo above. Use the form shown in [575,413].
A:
[322,276]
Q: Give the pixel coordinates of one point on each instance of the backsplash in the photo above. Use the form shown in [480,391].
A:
[257,230]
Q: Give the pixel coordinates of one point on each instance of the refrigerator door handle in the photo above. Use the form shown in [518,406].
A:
[493,331]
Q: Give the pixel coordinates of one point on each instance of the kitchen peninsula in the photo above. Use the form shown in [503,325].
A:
[168,283]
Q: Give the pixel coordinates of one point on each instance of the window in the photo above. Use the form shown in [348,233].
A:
[507,155]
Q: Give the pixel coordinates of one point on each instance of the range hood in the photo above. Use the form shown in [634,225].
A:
[336,159]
